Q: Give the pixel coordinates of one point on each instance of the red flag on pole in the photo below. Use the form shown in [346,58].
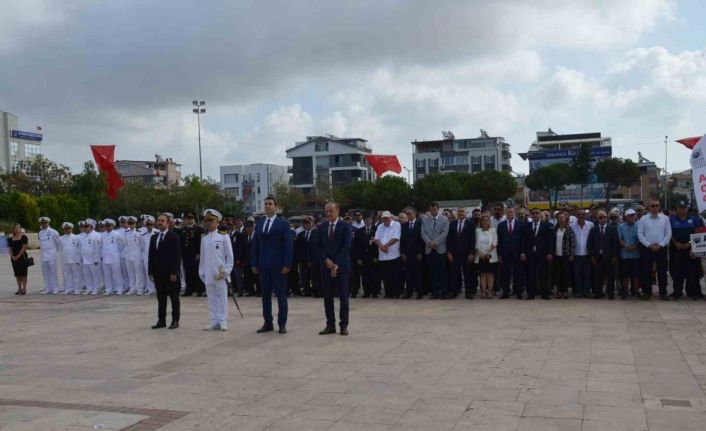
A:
[689,142]
[105,159]
[382,164]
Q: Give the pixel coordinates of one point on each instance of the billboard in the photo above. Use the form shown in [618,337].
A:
[26,135]
[538,159]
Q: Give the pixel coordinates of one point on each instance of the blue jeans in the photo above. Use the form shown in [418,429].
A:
[273,280]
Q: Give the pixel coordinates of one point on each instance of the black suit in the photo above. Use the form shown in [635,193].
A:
[303,258]
[509,249]
[537,244]
[251,282]
[239,244]
[336,247]
[190,240]
[603,246]
[412,248]
[367,253]
[164,260]
[460,243]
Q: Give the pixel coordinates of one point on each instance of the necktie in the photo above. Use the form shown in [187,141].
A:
[330,230]
[509,227]
[411,226]
[159,240]
[536,228]
[367,231]
[434,224]
[267,226]
[602,230]
[460,227]
[307,235]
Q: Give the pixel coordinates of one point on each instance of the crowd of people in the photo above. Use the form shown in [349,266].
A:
[504,252]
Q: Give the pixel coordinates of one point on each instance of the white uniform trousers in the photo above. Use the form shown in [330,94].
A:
[51,278]
[80,279]
[125,274]
[149,284]
[218,303]
[136,273]
[72,273]
[92,277]
[113,278]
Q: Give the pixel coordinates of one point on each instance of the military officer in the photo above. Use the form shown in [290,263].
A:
[124,274]
[112,247]
[71,259]
[215,265]
[147,233]
[190,235]
[82,232]
[133,257]
[49,243]
[90,246]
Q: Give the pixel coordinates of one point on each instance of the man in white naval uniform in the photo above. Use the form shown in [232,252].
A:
[81,233]
[49,243]
[70,259]
[147,233]
[111,248]
[90,246]
[123,230]
[133,257]
[215,265]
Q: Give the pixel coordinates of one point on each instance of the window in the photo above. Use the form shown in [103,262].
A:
[322,162]
[421,163]
[489,160]
[230,178]
[476,164]
[124,169]
[32,150]
[258,178]
[232,192]
[321,146]
[13,148]
[434,162]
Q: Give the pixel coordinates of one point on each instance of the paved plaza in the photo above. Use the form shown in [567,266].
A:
[79,363]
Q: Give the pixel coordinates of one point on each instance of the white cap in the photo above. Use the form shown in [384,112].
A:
[90,222]
[81,223]
[132,219]
[149,219]
[630,212]
[44,219]
[178,221]
[109,221]
[67,224]
[615,210]
[212,213]
[386,214]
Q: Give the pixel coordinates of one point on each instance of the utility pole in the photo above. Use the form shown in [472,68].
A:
[666,176]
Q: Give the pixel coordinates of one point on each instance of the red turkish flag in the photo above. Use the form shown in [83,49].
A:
[105,159]
[689,142]
[382,164]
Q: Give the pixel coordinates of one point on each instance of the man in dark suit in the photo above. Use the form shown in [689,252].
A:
[510,232]
[334,239]
[412,249]
[164,264]
[302,256]
[538,246]
[365,254]
[237,275]
[460,246]
[603,247]
[271,257]
[251,282]
[190,237]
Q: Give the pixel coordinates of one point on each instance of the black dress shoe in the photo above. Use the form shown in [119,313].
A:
[375,296]
[282,330]
[503,296]
[183,295]
[420,296]
[546,297]
[174,325]
[328,330]
[434,296]
[265,328]
[159,325]
[366,295]
[344,331]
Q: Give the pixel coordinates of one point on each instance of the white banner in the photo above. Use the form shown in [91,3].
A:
[698,172]
[698,244]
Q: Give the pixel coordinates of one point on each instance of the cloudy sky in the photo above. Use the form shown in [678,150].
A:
[273,72]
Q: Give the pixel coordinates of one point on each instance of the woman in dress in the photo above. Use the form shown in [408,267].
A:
[18,255]
[486,255]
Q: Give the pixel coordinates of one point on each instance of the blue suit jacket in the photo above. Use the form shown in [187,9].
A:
[337,248]
[510,245]
[272,250]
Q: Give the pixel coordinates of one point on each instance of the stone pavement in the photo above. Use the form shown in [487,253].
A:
[78,363]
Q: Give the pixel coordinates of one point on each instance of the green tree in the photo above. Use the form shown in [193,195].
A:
[616,172]
[41,177]
[581,166]
[92,186]
[289,198]
[491,186]
[436,187]
[390,193]
[354,195]
[551,179]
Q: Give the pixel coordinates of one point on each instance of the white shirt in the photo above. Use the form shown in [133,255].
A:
[560,241]
[384,234]
[484,240]
[49,243]
[216,257]
[133,245]
[581,237]
[112,245]
[146,238]
[265,227]
[90,245]
[495,222]
[654,230]
[70,249]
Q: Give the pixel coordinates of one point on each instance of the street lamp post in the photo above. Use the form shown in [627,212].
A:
[198,110]
[408,172]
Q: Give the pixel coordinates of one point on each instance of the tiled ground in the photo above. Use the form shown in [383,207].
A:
[75,363]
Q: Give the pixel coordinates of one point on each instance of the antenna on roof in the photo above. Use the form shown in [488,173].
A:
[483,133]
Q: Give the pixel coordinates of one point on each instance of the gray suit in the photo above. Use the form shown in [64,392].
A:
[436,234]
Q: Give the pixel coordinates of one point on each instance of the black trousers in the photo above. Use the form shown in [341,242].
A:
[355,277]
[513,267]
[562,273]
[392,277]
[191,275]
[684,270]
[603,273]
[658,258]
[371,285]
[167,289]
[251,282]
[414,276]
[460,275]
[537,273]
[437,273]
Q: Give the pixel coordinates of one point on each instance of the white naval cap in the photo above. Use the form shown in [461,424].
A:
[168,214]
[386,214]
[44,219]
[212,213]
[121,219]
[109,221]
[178,221]
[67,224]
[630,212]
[81,223]
[149,219]
[90,222]
[132,219]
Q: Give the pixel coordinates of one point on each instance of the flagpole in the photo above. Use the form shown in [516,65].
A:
[666,178]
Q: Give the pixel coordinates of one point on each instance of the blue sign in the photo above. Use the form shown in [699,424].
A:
[26,135]
[568,153]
